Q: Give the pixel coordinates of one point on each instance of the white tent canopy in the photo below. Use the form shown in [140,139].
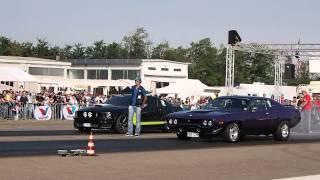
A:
[15,74]
[102,83]
[184,88]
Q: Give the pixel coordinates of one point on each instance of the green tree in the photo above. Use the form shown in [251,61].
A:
[42,48]
[55,52]
[5,48]
[138,44]
[66,52]
[114,51]
[16,49]
[27,49]
[99,49]
[78,51]
[160,50]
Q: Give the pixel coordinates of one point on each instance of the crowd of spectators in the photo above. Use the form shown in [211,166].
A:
[50,98]
[189,103]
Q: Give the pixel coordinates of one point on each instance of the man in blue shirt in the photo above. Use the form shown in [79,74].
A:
[138,102]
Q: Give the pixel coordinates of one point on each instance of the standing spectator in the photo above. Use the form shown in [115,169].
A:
[72,100]
[306,108]
[294,101]
[59,101]
[317,108]
[138,101]
[300,101]
[23,103]
[87,99]
[97,100]
[104,99]
[193,103]
[29,107]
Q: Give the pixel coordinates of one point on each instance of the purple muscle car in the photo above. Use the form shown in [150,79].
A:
[234,117]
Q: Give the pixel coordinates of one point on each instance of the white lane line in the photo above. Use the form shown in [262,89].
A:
[315,177]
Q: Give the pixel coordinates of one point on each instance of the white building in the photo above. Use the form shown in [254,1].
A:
[98,73]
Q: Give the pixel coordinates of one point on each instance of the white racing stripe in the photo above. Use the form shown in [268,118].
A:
[315,177]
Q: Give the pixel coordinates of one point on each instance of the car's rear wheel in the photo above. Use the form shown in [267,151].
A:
[183,136]
[121,125]
[282,132]
[232,133]
[84,130]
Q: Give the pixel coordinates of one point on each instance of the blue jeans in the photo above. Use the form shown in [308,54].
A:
[133,109]
[305,120]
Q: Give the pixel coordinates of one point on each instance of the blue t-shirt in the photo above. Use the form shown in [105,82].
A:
[137,95]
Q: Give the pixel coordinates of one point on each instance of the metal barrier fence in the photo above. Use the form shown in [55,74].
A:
[13,111]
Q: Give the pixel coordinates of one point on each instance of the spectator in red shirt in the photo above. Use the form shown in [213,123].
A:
[306,108]
[317,106]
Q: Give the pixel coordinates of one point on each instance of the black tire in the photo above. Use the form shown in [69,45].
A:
[84,130]
[183,136]
[231,133]
[121,125]
[282,133]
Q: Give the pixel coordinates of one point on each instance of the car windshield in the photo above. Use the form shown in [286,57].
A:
[228,103]
[119,100]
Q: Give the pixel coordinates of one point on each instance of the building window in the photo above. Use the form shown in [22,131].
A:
[164,69]
[132,74]
[40,71]
[76,74]
[152,68]
[124,74]
[97,74]
[103,74]
[177,70]
[117,74]
[92,74]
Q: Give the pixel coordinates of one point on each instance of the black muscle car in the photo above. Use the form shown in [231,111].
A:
[114,114]
[234,117]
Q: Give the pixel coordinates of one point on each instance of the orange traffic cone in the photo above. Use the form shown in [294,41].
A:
[91,149]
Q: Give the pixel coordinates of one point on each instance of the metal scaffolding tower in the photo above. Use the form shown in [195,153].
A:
[279,51]
[229,83]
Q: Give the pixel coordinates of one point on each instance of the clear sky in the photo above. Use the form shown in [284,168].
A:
[177,21]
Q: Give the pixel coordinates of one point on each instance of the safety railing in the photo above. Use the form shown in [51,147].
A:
[58,111]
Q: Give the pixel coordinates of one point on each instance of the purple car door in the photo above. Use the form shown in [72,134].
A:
[258,117]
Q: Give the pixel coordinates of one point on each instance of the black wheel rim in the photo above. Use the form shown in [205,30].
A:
[123,124]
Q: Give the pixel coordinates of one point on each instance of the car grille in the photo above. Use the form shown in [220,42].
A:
[189,122]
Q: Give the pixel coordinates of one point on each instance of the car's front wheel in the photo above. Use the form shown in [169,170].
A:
[121,125]
[232,133]
[183,136]
[282,132]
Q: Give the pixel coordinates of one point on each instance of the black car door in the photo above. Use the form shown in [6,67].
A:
[258,118]
[151,113]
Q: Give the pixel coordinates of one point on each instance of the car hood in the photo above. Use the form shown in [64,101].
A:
[103,108]
[198,114]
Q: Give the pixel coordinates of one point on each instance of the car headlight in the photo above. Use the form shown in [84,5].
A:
[210,123]
[175,121]
[89,114]
[205,122]
[85,114]
[170,121]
